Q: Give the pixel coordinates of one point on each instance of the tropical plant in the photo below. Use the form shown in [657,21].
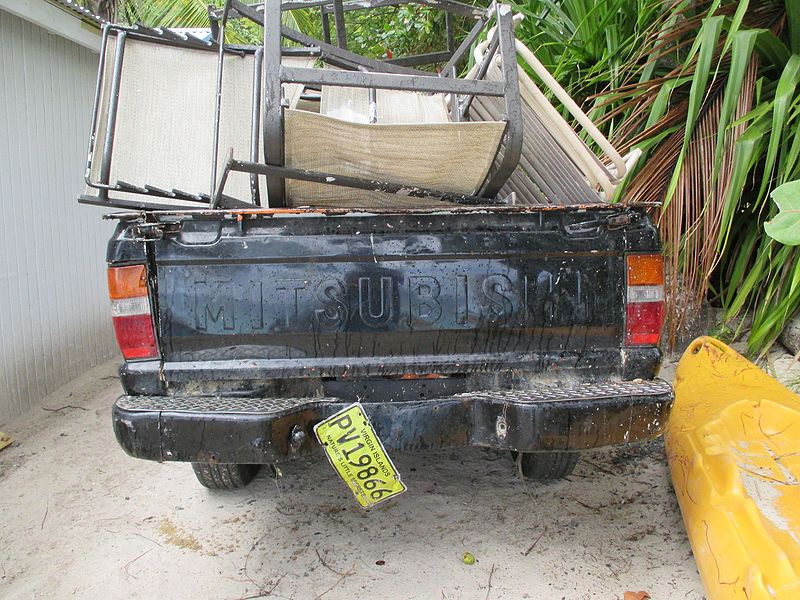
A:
[403,29]
[735,99]
[391,30]
[709,90]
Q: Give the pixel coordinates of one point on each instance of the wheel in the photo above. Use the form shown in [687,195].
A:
[546,466]
[224,476]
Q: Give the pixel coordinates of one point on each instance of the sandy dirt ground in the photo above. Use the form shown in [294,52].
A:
[80,519]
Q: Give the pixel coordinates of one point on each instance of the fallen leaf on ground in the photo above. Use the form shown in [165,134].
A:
[636,596]
[5,440]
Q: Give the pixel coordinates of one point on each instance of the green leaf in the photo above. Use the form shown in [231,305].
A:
[666,26]
[736,23]
[772,49]
[784,95]
[748,151]
[741,266]
[660,104]
[743,43]
[788,169]
[793,18]
[703,47]
[785,226]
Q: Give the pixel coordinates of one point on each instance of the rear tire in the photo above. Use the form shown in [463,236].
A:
[224,476]
[546,466]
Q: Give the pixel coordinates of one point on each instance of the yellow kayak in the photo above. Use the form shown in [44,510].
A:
[733,445]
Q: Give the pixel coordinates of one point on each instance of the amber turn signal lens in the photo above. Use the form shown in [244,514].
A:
[127,282]
[645,269]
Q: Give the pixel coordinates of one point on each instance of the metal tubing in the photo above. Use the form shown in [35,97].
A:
[213,22]
[307,51]
[158,191]
[513,138]
[326,49]
[428,83]
[180,195]
[217,196]
[159,36]
[167,33]
[542,174]
[122,186]
[372,98]
[326,27]
[373,105]
[455,112]
[448,27]
[225,202]
[414,60]
[352,182]
[113,103]
[273,109]
[126,203]
[218,95]
[451,68]
[338,18]
[255,123]
[465,103]
[329,51]
[87,175]
[464,47]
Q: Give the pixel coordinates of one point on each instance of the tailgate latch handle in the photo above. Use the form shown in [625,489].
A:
[147,232]
[610,222]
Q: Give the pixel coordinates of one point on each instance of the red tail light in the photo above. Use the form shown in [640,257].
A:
[644,313]
[130,309]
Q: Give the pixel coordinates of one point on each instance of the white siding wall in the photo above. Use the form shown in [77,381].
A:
[54,315]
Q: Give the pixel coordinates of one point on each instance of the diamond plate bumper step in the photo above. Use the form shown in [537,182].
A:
[259,430]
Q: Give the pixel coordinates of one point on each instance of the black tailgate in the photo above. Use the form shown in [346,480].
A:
[312,295]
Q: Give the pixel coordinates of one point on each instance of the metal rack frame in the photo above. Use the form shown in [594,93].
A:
[357,71]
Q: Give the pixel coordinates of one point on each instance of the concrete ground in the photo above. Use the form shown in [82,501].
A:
[79,518]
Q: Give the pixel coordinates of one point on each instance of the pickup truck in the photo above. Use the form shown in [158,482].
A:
[438,254]
[531,330]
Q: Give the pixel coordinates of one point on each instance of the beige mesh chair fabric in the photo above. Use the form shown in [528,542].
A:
[165,118]
[556,165]
[448,157]
[392,106]
[165,127]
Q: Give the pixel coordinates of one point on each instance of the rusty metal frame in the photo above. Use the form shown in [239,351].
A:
[268,103]
[374,185]
[372,75]
[103,184]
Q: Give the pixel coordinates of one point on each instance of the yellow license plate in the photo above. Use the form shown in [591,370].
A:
[358,456]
